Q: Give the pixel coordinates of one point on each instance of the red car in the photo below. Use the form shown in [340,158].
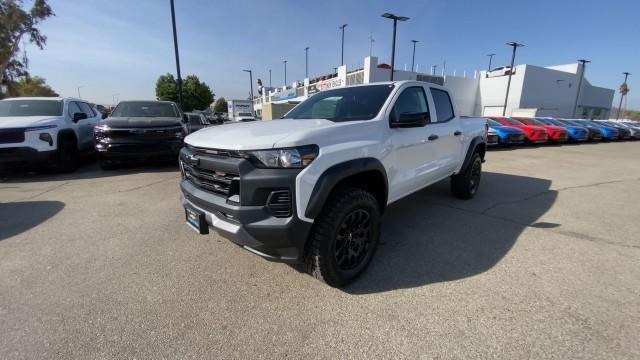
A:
[533,134]
[556,133]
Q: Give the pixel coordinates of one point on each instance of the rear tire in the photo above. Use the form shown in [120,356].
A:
[67,160]
[344,237]
[465,184]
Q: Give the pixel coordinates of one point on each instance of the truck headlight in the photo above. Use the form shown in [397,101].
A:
[298,157]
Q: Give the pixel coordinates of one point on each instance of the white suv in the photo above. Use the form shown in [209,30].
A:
[45,130]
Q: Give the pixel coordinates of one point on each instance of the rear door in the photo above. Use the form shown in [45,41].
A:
[447,130]
[86,126]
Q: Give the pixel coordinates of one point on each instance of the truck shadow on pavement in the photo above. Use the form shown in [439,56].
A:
[18,217]
[432,237]
[88,170]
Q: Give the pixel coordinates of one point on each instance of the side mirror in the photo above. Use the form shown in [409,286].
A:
[79,116]
[409,120]
[185,118]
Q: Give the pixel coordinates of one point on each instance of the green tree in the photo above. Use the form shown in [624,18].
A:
[196,94]
[221,105]
[167,88]
[15,23]
[33,86]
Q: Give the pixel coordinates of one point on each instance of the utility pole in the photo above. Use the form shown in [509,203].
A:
[175,46]
[306,62]
[269,79]
[413,57]
[490,58]
[342,52]
[371,41]
[515,45]
[395,19]
[626,75]
[285,72]
[575,104]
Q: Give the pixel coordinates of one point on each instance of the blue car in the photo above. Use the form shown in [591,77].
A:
[595,134]
[576,133]
[608,132]
[507,135]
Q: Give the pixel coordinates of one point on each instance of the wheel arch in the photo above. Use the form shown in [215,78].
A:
[364,173]
[477,145]
[67,134]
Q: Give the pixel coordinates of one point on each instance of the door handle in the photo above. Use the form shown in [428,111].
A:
[433,137]
[457,133]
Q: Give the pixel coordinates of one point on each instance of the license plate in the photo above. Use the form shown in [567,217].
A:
[196,220]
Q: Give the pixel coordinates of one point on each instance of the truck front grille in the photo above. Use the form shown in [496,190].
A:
[223,183]
[11,136]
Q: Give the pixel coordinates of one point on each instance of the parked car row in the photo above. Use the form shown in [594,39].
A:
[510,131]
[44,131]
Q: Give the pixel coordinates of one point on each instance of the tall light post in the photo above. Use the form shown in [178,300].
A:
[250,82]
[514,45]
[490,58]
[79,97]
[285,72]
[622,95]
[270,78]
[413,57]
[175,47]
[395,19]
[342,46]
[575,104]
[306,62]
[371,41]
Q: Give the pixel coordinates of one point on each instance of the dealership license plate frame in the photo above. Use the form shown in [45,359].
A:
[196,220]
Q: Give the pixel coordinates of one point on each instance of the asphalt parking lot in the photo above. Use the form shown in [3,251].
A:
[543,263]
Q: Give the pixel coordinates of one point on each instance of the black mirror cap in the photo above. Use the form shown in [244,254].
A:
[79,116]
[409,120]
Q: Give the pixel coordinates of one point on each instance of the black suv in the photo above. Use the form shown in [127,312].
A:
[140,131]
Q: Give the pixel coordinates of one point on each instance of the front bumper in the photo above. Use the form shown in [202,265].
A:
[24,156]
[140,150]
[242,212]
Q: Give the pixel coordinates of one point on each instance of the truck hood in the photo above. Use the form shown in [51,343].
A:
[25,121]
[140,122]
[253,135]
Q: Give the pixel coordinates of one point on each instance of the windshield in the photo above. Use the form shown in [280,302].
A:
[145,109]
[512,121]
[343,104]
[492,122]
[30,108]
[545,122]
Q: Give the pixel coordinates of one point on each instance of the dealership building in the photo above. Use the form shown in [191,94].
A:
[534,90]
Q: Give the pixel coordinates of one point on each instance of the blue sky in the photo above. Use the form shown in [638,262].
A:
[121,47]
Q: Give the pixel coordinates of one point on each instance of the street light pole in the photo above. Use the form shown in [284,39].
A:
[79,97]
[575,104]
[342,52]
[490,58]
[269,78]
[175,46]
[250,81]
[371,41]
[285,72]
[306,62]
[626,75]
[413,57]
[515,45]
[395,19]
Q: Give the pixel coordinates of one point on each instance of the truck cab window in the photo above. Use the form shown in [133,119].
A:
[444,108]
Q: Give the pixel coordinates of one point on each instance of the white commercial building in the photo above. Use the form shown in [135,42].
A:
[534,90]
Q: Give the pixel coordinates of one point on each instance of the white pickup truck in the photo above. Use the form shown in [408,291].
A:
[311,188]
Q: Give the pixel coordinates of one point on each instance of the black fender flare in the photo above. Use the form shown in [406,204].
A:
[336,173]
[473,145]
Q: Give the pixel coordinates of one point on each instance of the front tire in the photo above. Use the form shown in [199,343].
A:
[344,237]
[465,184]
[67,160]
